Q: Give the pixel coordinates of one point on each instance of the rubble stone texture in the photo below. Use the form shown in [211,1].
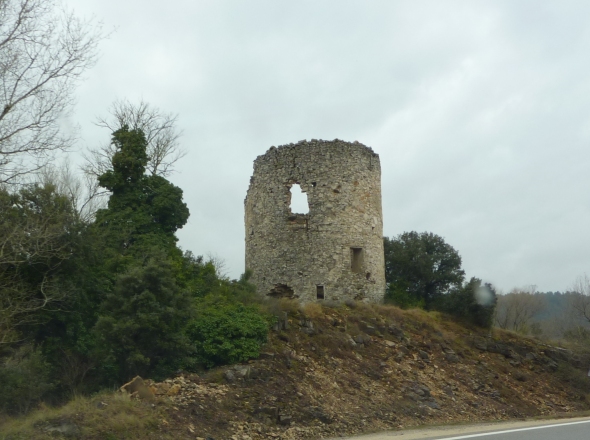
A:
[335,251]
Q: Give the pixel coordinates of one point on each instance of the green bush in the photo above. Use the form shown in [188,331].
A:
[227,332]
[578,379]
[473,303]
[141,324]
[402,298]
[23,380]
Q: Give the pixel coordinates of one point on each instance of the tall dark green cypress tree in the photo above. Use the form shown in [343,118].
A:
[143,211]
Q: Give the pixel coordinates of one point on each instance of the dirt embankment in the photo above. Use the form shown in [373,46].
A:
[336,371]
[327,372]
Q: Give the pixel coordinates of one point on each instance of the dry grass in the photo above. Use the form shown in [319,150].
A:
[277,306]
[390,312]
[352,328]
[104,416]
[313,310]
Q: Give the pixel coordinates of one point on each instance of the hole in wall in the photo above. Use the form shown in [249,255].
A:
[299,204]
[368,275]
[356,259]
[281,291]
[320,293]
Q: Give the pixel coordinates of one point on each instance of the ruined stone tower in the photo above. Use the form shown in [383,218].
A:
[335,251]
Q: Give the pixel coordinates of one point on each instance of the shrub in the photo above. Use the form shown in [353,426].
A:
[313,310]
[227,332]
[23,379]
[402,298]
[474,303]
[278,306]
[577,335]
[142,322]
[575,377]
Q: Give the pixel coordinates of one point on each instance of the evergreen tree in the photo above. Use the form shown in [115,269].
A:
[142,321]
[419,268]
[143,211]
[473,302]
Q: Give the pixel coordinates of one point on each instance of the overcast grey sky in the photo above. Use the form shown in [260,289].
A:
[479,110]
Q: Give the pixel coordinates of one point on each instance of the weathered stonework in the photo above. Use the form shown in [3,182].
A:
[335,252]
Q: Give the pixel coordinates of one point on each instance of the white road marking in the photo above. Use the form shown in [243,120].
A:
[513,430]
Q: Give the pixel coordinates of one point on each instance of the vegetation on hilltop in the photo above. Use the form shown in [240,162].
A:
[93,293]
[422,270]
[92,304]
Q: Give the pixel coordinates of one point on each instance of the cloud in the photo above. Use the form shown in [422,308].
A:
[477,109]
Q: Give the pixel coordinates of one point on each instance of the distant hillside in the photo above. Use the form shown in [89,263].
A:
[556,304]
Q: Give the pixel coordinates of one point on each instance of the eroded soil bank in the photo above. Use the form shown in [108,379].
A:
[338,371]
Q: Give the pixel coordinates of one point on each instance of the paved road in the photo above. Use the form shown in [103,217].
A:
[565,429]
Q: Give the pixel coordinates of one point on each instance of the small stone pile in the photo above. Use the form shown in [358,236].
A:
[181,390]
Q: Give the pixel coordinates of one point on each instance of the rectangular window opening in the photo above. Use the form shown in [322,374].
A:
[356,259]
[320,292]
[298,203]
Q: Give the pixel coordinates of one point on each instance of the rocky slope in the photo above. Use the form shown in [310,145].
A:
[344,370]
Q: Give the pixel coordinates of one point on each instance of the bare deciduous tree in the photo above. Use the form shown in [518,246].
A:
[43,52]
[516,309]
[163,148]
[83,191]
[35,239]
[580,300]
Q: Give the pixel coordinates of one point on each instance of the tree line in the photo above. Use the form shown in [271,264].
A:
[548,315]
[424,271]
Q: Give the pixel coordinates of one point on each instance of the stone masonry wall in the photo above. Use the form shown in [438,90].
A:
[334,251]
